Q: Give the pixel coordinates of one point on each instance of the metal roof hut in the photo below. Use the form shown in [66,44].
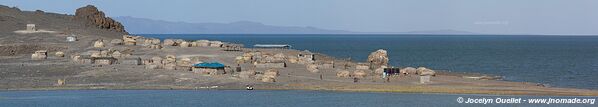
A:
[272,46]
[212,68]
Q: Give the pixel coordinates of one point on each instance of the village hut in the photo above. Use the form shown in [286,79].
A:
[343,74]
[232,47]
[104,60]
[292,59]
[306,57]
[380,70]
[140,41]
[247,74]
[99,43]
[169,42]
[268,79]
[130,61]
[31,27]
[71,38]
[360,73]
[362,66]
[408,70]
[39,55]
[425,71]
[184,44]
[154,46]
[156,60]
[216,44]
[60,82]
[117,42]
[312,68]
[425,74]
[272,72]
[129,40]
[325,64]
[203,43]
[59,54]
[213,68]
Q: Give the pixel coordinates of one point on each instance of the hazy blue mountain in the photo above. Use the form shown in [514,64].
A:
[150,26]
[442,31]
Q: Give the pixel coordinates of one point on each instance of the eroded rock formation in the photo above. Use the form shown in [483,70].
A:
[93,16]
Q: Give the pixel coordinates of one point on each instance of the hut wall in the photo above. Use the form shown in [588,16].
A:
[270,65]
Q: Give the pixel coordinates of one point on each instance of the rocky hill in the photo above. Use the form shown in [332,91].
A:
[87,24]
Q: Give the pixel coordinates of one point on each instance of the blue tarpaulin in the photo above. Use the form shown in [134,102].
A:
[209,65]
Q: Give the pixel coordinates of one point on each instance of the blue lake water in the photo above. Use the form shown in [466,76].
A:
[244,98]
[562,61]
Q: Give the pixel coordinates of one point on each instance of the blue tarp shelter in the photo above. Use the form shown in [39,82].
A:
[209,65]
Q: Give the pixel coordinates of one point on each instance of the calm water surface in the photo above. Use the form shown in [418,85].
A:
[561,61]
[241,98]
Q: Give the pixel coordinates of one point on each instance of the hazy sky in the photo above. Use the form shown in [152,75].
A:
[481,16]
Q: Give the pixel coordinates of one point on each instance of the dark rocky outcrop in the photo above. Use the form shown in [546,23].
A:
[93,16]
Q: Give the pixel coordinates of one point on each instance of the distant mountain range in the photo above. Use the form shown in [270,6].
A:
[151,26]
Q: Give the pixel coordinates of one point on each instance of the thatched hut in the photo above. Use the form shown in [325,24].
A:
[425,71]
[104,60]
[169,42]
[216,44]
[247,74]
[98,43]
[39,55]
[360,73]
[184,44]
[130,61]
[362,66]
[408,70]
[202,43]
[312,68]
[129,40]
[343,74]
[116,42]
[59,54]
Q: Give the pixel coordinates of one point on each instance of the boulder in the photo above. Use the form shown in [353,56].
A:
[378,58]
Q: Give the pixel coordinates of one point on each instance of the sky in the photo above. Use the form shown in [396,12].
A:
[548,17]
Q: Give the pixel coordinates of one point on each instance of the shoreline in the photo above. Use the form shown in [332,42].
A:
[294,77]
[461,92]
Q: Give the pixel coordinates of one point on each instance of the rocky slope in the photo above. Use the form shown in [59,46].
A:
[87,25]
